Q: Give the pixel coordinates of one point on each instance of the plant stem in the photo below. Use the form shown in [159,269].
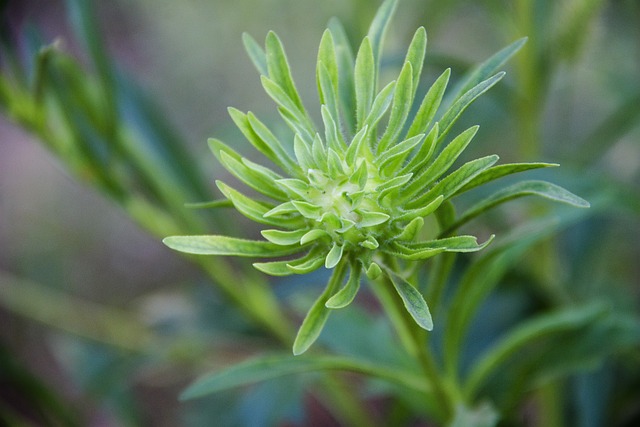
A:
[413,339]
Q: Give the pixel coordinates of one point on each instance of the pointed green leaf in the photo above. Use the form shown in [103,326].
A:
[311,264]
[496,172]
[411,230]
[424,250]
[319,152]
[303,153]
[394,156]
[271,147]
[380,105]
[258,179]
[524,188]
[378,28]
[334,256]
[264,368]
[293,112]
[370,219]
[402,102]
[461,104]
[308,210]
[392,185]
[256,54]
[360,176]
[429,105]
[283,238]
[312,235]
[415,55]
[332,135]
[364,81]
[422,157]
[287,268]
[370,243]
[223,245]
[279,70]
[448,186]
[335,164]
[441,164]
[488,67]
[254,210]
[357,146]
[282,209]
[346,87]
[318,314]
[373,271]
[347,294]
[327,92]
[295,187]
[413,301]
[422,211]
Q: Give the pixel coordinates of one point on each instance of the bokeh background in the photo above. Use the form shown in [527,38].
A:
[71,261]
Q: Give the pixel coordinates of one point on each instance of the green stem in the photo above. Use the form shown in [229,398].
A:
[413,339]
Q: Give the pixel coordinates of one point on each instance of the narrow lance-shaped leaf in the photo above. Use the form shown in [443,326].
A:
[223,245]
[429,105]
[257,178]
[402,102]
[278,67]
[318,314]
[413,300]
[424,250]
[293,112]
[415,55]
[346,88]
[256,54]
[487,68]
[288,267]
[423,155]
[283,238]
[448,186]
[440,165]
[255,210]
[380,105]
[378,29]
[364,84]
[346,295]
[461,104]
[496,172]
[525,188]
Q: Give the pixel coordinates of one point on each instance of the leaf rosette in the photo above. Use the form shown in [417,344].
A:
[353,193]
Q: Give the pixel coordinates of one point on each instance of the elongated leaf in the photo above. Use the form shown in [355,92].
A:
[487,68]
[422,157]
[283,238]
[279,70]
[303,153]
[255,210]
[424,250]
[332,135]
[449,185]
[293,112]
[327,92]
[272,147]
[528,332]
[402,102]
[273,366]
[411,230]
[499,171]
[318,314]
[256,54]
[393,157]
[415,55]
[461,104]
[429,105]
[346,87]
[223,245]
[392,185]
[257,179]
[312,264]
[348,292]
[441,164]
[364,81]
[334,256]
[357,146]
[289,267]
[422,211]
[378,29]
[380,105]
[524,188]
[413,301]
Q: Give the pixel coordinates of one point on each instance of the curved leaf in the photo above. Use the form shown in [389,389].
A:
[413,301]
[223,245]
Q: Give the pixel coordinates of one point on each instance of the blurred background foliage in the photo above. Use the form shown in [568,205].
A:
[102,325]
